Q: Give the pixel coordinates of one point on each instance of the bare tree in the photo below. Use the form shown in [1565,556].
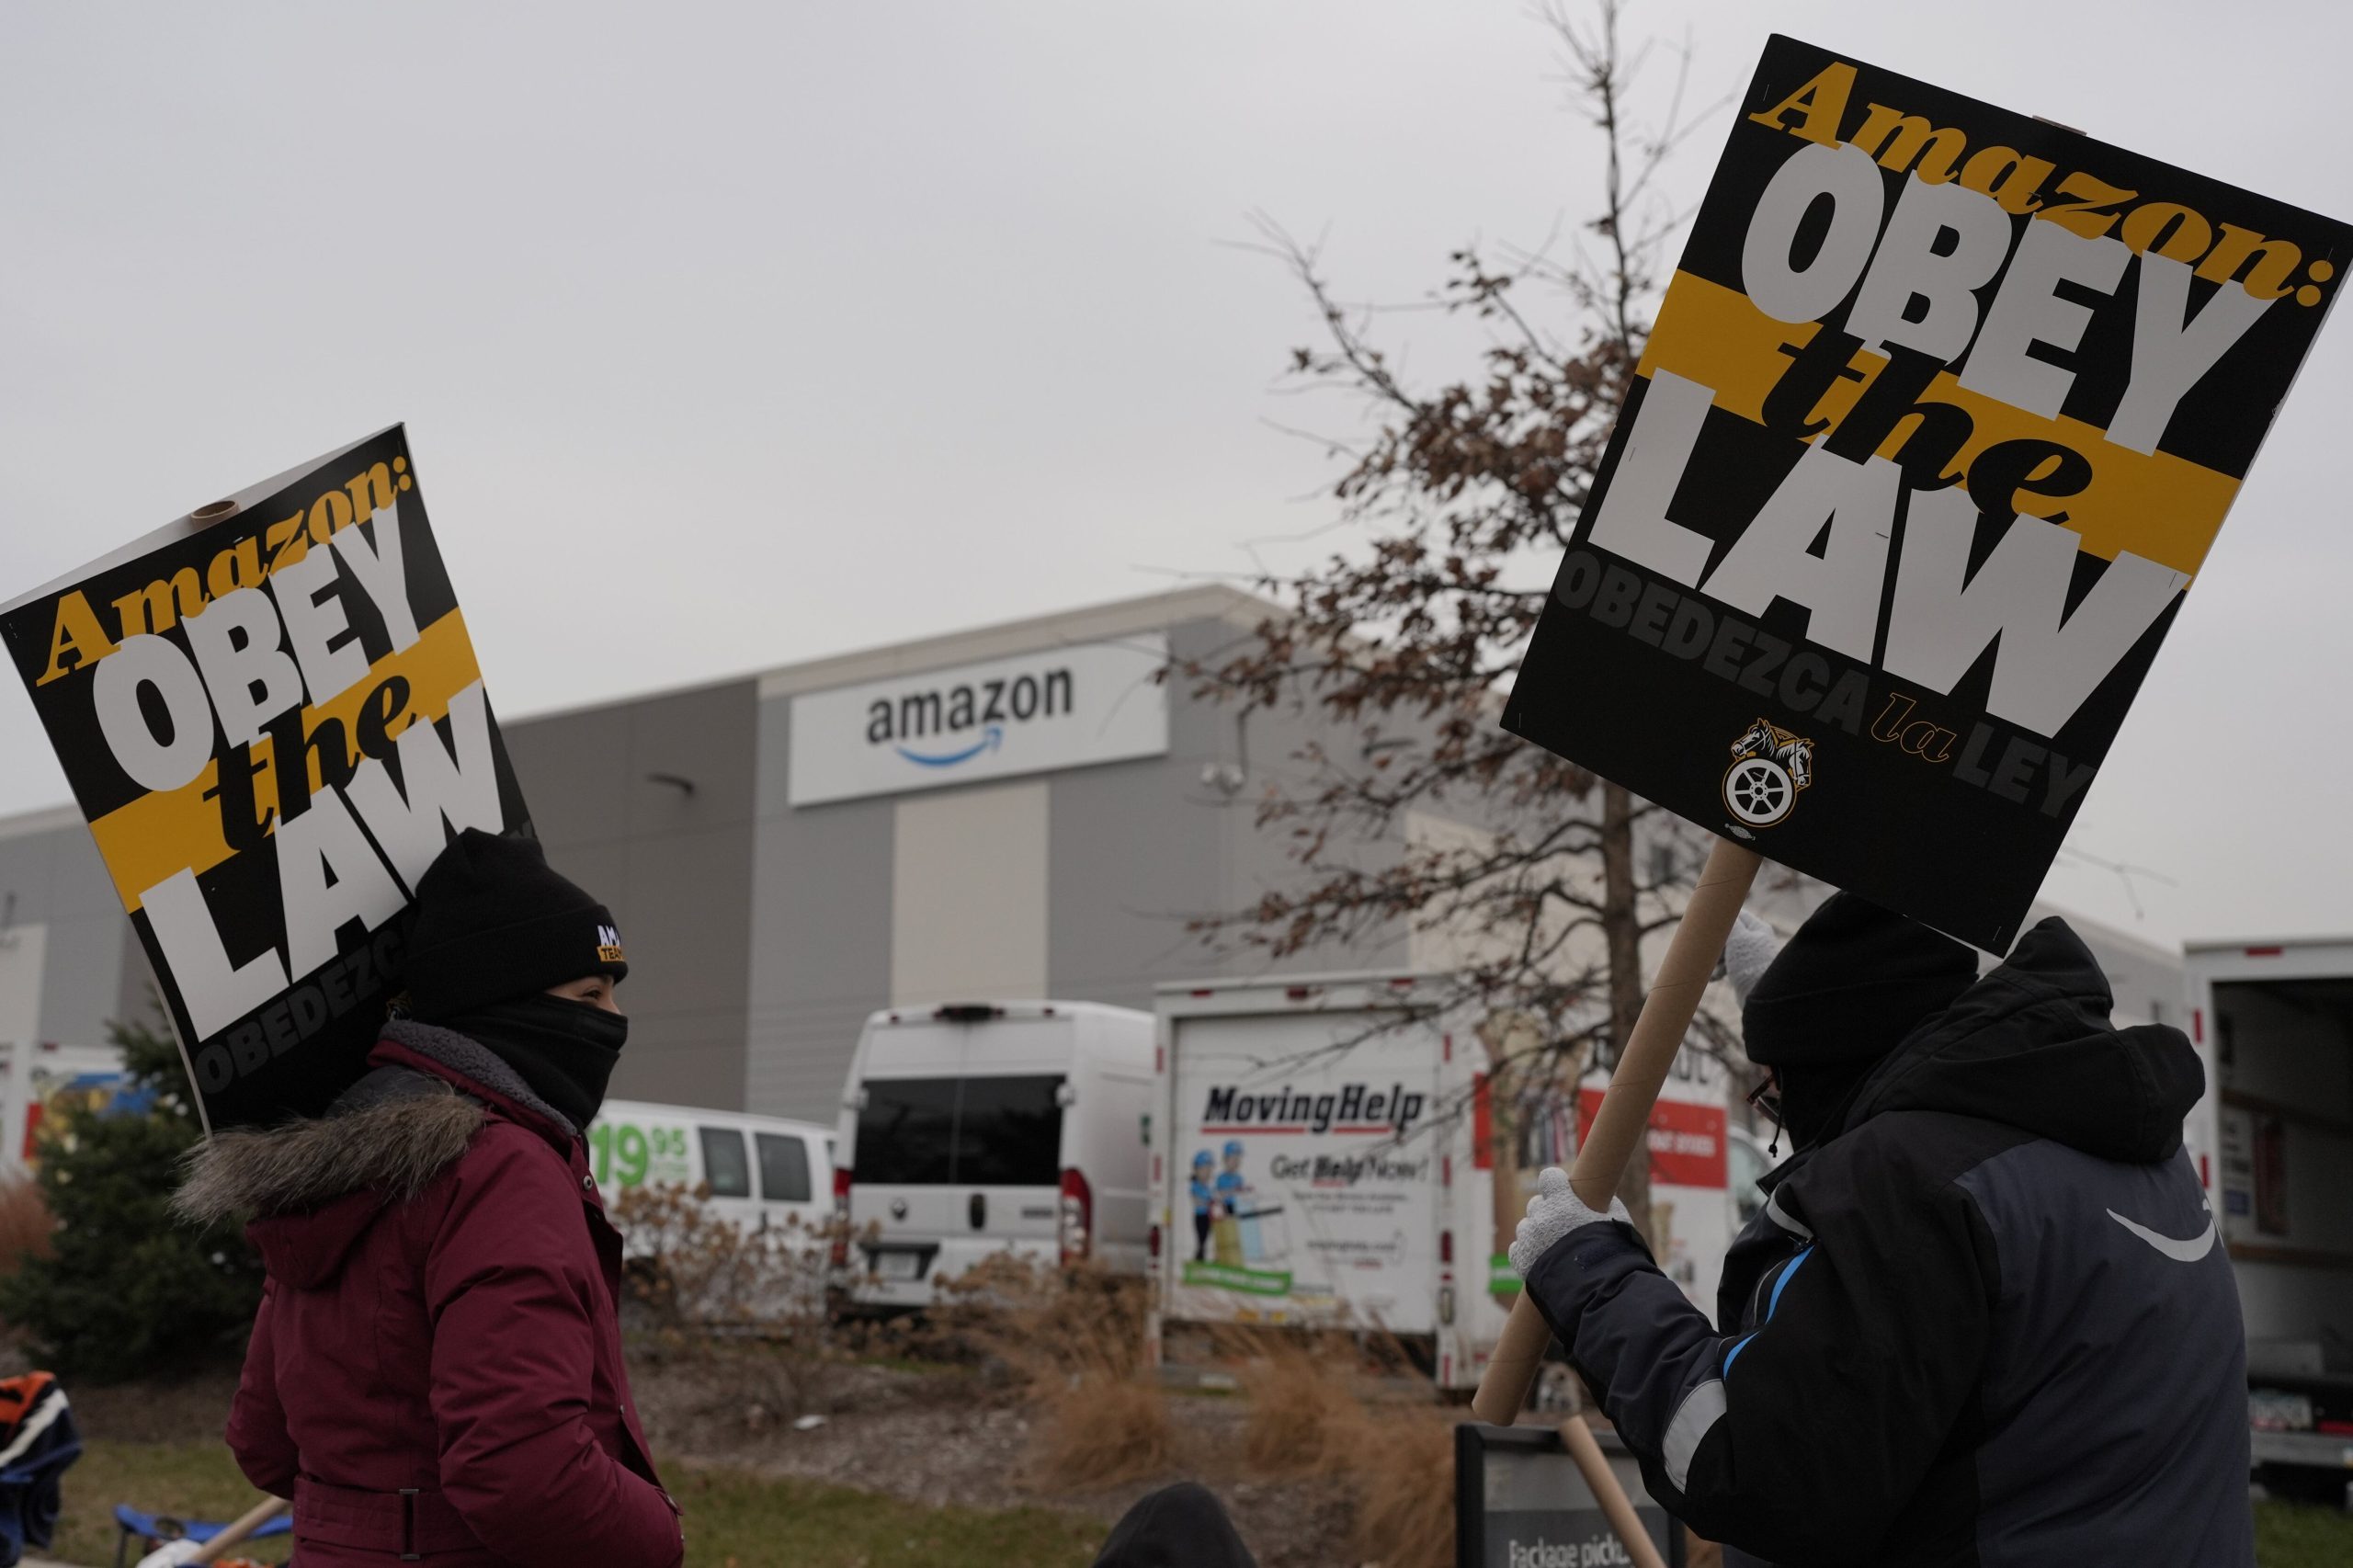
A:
[1457,508]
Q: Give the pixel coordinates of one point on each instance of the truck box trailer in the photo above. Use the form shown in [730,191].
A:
[1317,1162]
[1330,1151]
[2273,1140]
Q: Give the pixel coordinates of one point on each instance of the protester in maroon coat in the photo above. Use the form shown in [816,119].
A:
[436,1373]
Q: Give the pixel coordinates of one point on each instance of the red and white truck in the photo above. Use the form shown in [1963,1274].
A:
[2274,1140]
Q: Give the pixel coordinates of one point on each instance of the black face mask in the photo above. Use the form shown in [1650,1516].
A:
[1816,1097]
[564,1049]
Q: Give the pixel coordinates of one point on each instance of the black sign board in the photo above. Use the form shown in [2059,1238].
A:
[1943,408]
[271,715]
[1520,1502]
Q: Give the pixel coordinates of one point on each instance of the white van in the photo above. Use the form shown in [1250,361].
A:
[762,1170]
[989,1127]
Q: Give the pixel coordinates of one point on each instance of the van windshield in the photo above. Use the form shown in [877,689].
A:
[983,1131]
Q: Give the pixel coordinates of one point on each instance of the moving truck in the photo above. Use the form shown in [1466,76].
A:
[986,1126]
[2273,1141]
[1692,1206]
[1320,1159]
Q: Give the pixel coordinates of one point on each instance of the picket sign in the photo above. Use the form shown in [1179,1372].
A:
[1625,1112]
[1941,413]
[271,715]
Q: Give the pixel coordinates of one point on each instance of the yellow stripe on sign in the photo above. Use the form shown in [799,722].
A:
[163,832]
[2158,506]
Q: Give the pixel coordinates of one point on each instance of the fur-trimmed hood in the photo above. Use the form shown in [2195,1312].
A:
[312,1186]
[393,1143]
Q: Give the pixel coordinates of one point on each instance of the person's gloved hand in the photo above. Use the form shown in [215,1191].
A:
[1553,1213]
[1748,951]
[172,1553]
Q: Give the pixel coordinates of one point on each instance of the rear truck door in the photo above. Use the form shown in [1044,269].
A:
[1019,1084]
[1306,1179]
[902,1207]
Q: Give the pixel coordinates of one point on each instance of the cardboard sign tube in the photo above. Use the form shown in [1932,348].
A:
[251,1520]
[1602,1482]
[1625,1110]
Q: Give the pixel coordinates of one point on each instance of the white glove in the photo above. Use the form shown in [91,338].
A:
[1553,1213]
[171,1555]
[1748,952]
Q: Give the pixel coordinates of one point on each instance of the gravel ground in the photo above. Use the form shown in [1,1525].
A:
[955,1437]
[931,1436]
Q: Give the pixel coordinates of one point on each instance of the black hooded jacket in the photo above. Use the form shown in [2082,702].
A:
[1987,1321]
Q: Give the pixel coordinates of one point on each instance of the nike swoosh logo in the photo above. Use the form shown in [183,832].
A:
[2190,1251]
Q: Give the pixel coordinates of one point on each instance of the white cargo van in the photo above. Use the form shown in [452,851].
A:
[763,1171]
[1320,1158]
[2273,1141]
[988,1127]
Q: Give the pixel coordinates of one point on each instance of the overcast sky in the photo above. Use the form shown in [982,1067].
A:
[732,335]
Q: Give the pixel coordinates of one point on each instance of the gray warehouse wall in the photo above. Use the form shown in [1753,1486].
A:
[92,973]
[821,934]
[675,866]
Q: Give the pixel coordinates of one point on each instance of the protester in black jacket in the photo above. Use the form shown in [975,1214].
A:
[1983,1318]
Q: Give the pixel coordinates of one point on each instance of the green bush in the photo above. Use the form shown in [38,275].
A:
[128,1290]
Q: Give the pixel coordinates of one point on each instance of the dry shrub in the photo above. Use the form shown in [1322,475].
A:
[1072,1338]
[26,1228]
[749,1302]
[1098,1429]
[1304,1414]
[1313,1414]
[1402,1468]
[1040,1322]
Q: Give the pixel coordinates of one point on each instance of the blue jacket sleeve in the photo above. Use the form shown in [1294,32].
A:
[1805,1436]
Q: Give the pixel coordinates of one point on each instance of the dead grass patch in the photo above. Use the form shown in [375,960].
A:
[1402,1468]
[1072,1340]
[1304,1415]
[1313,1411]
[1100,1429]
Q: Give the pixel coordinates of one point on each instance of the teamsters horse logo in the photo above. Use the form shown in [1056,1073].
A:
[1769,766]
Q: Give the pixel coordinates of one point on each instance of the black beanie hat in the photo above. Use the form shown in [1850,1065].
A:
[1853,981]
[493,920]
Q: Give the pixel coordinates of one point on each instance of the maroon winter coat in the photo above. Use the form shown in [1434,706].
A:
[437,1365]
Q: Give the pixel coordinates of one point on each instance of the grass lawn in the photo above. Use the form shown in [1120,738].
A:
[733,1520]
[738,1520]
[2298,1535]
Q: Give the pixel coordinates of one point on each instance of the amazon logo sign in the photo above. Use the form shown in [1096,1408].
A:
[918,723]
[1066,707]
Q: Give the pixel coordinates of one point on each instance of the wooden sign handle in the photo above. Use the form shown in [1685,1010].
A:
[1625,1112]
[251,1520]
[1602,1482]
